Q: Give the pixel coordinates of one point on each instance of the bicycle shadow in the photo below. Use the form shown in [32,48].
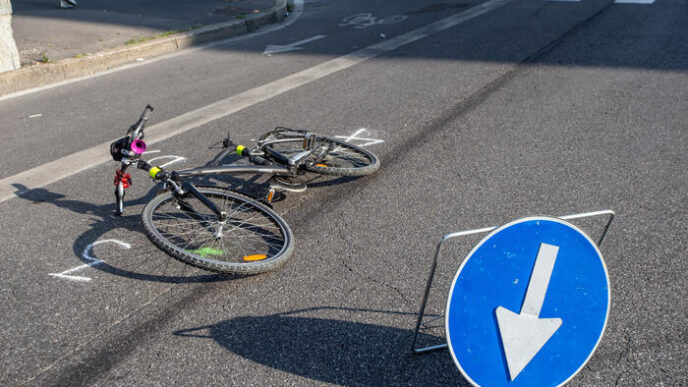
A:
[105,221]
[331,350]
[258,185]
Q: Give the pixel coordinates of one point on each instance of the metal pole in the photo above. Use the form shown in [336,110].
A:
[425,296]
[421,312]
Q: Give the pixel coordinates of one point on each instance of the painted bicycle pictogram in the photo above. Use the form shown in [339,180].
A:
[364,20]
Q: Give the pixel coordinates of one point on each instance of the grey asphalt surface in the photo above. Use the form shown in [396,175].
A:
[533,108]
[42,28]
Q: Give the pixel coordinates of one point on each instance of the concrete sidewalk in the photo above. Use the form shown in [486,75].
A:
[57,44]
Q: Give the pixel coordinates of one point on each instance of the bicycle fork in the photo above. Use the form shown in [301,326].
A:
[122,181]
[188,188]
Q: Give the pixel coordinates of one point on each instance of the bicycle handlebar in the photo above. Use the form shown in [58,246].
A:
[136,130]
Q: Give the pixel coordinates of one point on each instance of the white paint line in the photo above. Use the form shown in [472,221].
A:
[73,277]
[36,115]
[274,49]
[93,261]
[69,165]
[356,133]
[634,1]
[298,10]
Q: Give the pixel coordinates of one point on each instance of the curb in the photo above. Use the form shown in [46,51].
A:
[45,74]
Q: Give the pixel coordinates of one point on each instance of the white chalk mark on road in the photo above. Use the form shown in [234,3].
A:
[66,166]
[92,261]
[175,159]
[367,141]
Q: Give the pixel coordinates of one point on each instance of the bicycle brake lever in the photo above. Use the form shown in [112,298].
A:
[226,143]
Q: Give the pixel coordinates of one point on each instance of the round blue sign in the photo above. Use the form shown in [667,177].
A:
[528,306]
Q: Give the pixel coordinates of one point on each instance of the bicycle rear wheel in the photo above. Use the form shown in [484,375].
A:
[252,239]
[343,159]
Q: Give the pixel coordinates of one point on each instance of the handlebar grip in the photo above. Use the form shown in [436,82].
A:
[146,112]
[242,150]
[136,130]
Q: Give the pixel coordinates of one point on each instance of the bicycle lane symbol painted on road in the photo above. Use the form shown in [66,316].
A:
[365,20]
[356,138]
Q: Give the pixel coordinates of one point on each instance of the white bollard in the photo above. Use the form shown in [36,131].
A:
[9,56]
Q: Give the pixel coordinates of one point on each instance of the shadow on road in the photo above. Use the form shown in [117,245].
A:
[103,222]
[331,350]
[650,29]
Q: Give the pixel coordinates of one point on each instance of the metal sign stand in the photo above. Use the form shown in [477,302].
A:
[421,313]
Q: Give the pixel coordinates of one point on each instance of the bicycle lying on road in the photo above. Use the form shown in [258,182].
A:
[222,230]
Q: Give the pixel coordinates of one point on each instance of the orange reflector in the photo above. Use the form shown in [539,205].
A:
[321,165]
[255,257]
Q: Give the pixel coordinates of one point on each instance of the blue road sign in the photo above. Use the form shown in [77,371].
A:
[528,306]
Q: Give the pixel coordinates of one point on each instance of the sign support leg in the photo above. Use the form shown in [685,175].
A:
[433,267]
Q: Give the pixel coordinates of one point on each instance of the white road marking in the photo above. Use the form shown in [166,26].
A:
[365,20]
[274,49]
[36,115]
[66,166]
[175,159]
[355,136]
[93,261]
[298,10]
[634,1]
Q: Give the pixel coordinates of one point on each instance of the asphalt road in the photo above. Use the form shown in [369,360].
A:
[533,107]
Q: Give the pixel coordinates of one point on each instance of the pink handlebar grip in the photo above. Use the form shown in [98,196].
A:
[138,146]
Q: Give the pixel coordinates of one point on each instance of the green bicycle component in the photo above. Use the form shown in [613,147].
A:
[206,251]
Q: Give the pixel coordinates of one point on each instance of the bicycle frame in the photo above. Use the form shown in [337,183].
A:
[235,170]
[275,163]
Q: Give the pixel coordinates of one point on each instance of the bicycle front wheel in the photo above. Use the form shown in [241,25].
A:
[252,239]
[342,159]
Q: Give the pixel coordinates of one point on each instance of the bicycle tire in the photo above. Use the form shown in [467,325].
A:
[259,240]
[344,160]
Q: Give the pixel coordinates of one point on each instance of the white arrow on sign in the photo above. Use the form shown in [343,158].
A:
[273,49]
[524,334]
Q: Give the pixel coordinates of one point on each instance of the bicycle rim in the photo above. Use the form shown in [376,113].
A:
[252,239]
[343,159]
